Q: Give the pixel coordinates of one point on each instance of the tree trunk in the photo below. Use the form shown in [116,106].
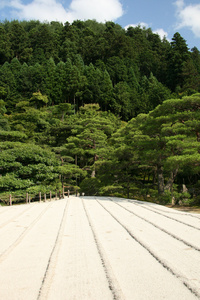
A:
[128,190]
[76,163]
[93,175]
[74,105]
[198,136]
[160,180]
[169,184]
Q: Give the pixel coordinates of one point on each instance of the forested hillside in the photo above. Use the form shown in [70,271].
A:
[133,141]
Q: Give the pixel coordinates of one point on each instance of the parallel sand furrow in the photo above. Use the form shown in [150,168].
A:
[23,269]
[156,211]
[79,273]
[113,284]
[186,233]
[160,228]
[155,244]
[81,249]
[14,214]
[140,273]
[49,272]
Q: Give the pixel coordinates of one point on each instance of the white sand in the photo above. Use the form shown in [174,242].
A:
[98,249]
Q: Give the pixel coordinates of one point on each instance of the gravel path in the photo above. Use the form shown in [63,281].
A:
[98,248]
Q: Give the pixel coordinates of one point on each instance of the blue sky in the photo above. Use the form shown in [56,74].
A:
[163,16]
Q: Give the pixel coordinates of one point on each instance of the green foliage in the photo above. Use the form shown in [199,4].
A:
[12,136]
[88,62]
[25,165]
[111,190]
[90,186]
[66,93]
[39,100]
[10,182]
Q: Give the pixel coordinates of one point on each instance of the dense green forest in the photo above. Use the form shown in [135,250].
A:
[98,108]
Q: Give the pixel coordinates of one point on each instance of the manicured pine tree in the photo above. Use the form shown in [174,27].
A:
[89,137]
[170,138]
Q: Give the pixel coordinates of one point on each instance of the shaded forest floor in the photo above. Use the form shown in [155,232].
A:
[190,209]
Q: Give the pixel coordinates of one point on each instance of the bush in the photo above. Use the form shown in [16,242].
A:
[111,190]
[18,196]
[90,186]
[180,198]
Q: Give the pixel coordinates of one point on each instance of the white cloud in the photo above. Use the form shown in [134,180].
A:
[161,33]
[180,4]
[51,10]
[2,4]
[101,10]
[43,10]
[188,16]
[141,24]
[158,31]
